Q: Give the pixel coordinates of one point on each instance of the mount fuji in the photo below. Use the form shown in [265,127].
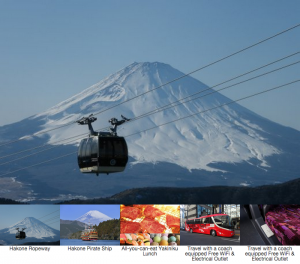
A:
[229,146]
[36,231]
[93,217]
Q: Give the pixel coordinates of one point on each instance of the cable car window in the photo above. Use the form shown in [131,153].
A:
[84,149]
[95,146]
[102,147]
[88,148]
[119,148]
[109,148]
[80,150]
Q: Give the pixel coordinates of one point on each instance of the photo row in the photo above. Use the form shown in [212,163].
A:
[149,225]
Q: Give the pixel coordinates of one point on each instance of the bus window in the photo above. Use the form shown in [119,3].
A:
[206,220]
[198,221]
[223,221]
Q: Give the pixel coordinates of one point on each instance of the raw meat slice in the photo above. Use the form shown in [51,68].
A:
[152,212]
[129,227]
[152,226]
[131,212]
[173,221]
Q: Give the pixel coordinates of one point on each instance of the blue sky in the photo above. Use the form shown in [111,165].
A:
[72,212]
[11,214]
[51,50]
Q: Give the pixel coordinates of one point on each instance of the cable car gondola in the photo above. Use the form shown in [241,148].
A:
[20,234]
[102,152]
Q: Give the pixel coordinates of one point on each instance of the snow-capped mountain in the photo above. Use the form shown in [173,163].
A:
[36,231]
[226,146]
[223,135]
[93,217]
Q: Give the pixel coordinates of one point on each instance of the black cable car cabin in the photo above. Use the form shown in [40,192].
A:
[20,234]
[102,154]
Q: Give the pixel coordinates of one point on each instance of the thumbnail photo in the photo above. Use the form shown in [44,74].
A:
[147,224]
[29,225]
[89,225]
[152,219]
[264,224]
[145,239]
[210,224]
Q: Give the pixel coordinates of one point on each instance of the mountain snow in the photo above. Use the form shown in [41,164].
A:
[93,217]
[34,228]
[220,135]
[36,231]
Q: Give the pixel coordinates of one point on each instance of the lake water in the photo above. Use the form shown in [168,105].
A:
[79,242]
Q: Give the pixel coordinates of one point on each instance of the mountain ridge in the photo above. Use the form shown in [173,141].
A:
[267,194]
[228,146]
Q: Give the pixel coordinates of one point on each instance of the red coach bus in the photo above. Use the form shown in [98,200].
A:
[215,225]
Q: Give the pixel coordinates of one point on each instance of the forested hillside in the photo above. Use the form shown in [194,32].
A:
[107,230]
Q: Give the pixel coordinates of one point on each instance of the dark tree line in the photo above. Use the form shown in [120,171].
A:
[109,230]
[9,201]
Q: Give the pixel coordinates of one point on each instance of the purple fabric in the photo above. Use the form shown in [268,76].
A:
[284,221]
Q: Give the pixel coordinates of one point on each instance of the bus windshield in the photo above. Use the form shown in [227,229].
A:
[223,221]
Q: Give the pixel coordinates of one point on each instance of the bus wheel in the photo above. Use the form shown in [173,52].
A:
[213,233]
[191,230]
